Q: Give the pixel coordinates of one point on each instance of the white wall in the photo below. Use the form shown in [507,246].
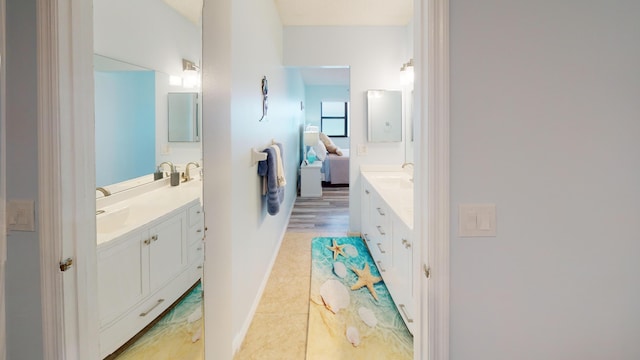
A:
[151,34]
[243,239]
[545,123]
[23,311]
[375,55]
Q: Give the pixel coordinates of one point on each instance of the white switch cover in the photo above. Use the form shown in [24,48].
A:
[477,220]
[362,149]
[21,215]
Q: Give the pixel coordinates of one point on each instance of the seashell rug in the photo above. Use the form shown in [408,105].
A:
[345,319]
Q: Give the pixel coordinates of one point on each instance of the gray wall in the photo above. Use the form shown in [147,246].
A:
[545,122]
[24,318]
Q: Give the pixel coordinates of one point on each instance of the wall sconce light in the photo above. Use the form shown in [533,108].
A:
[406,73]
[191,74]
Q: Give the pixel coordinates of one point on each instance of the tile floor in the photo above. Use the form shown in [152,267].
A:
[276,333]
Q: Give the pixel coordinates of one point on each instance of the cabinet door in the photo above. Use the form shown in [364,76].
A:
[403,257]
[365,205]
[167,250]
[403,268]
[120,276]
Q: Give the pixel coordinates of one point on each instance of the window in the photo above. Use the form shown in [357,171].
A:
[334,118]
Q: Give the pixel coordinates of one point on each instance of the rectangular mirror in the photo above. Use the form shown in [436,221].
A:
[384,115]
[183,117]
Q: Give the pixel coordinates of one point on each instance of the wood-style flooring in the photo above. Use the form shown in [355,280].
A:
[329,213]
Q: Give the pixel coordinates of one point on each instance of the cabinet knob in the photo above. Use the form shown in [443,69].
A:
[154,237]
[147,241]
[406,243]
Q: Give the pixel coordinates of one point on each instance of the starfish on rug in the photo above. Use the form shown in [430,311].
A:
[337,250]
[366,279]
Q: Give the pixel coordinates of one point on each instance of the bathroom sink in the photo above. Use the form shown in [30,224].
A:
[391,181]
[111,219]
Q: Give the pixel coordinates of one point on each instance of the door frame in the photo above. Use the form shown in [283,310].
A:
[66,180]
[66,168]
[3,182]
[432,173]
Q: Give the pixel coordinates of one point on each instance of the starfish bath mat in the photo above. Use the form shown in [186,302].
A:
[351,313]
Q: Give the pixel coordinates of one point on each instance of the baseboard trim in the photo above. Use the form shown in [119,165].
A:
[240,336]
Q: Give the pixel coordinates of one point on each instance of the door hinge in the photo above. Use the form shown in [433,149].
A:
[427,271]
[66,264]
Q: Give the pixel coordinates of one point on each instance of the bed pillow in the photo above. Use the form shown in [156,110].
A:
[328,143]
[321,150]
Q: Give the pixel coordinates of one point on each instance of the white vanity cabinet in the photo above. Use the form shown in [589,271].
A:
[389,236]
[141,273]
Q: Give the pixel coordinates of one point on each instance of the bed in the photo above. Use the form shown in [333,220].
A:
[335,169]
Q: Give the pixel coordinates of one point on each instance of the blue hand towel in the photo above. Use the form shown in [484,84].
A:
[268,168]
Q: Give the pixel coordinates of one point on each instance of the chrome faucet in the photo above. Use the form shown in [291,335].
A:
[104,191]
[187,177]
[172,168]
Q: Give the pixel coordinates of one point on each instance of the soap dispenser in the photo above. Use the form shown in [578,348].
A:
[158,174]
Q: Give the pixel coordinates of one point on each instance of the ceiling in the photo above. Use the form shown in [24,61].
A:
[345,12]
[323,13]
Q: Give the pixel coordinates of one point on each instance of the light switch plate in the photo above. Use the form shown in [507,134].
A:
[477,220]
[21,215]
[362,149]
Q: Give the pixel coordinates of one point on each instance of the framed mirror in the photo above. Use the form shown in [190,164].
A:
[384,115]
[183,117]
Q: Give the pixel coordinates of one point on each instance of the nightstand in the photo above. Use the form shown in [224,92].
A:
[310,179]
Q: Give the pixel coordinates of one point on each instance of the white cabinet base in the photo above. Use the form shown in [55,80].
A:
[310,179]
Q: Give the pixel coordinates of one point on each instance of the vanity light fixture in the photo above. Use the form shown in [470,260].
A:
[191,74]
[406,73]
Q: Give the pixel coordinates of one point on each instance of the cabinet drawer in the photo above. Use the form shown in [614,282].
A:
[196,252]
[196,233]
[195,214]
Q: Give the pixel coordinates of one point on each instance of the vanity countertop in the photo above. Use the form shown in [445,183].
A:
[395,187]
[126,215]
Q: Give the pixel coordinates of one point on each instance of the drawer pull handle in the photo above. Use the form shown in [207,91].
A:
[380,230]
[199,230]
[380,248]
[147,241]
[406,243]
[380,266]
[199,266]
[160,301]
[380,211]
[366,237]
[366,192]
[200,248]
[154,238]
[403,308]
